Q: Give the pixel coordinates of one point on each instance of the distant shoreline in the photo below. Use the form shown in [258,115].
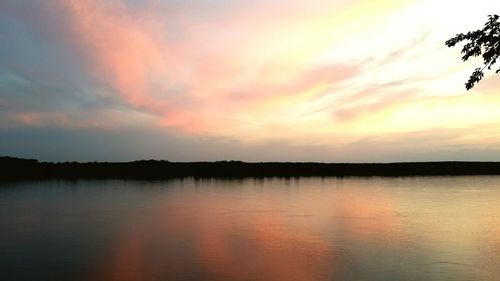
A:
[31,169]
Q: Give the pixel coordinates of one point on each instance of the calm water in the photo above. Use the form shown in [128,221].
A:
[439,228]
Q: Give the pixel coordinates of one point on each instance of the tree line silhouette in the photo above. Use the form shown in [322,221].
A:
[26,169]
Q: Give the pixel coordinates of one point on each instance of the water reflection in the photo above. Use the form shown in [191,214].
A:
[271,229]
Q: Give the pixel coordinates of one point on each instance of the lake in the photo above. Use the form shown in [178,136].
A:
[352,229]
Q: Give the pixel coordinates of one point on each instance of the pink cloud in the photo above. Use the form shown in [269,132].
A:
[121,46]
[197,78]
[386,98]
[90,118]
[305,80]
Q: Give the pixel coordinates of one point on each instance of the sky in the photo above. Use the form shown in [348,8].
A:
[262,80]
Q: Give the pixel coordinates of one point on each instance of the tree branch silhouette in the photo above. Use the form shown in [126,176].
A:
[482,42]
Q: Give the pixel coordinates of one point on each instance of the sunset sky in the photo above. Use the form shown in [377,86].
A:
[261,80]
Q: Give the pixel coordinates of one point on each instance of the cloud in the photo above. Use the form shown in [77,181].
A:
[183,67]
[294,75]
